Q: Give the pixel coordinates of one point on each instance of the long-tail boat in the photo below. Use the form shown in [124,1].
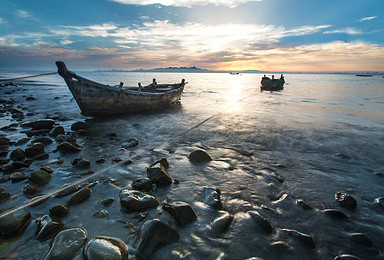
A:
[96,99]
[272,84]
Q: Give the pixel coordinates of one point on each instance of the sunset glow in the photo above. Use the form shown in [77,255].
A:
[128,34]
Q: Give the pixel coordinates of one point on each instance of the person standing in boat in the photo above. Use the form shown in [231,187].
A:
[282,78]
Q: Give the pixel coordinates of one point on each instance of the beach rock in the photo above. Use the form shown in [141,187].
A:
[43,140]
[346,257]
[99,248]
[361,239]
[47,228]
[163,161]
[31,133]
[30,189]
[66,244]
[159,175]
[4,140]
[4,195]
[18,176]
[152,234]
[34,149]
[78,125]
[133,200]
[17,154]
[18,165]
[41,156]
[130,143]
[222,223]
[81,163]
[67,147]
[79,196]
[59,210]
[30,98]
[59,130]
[301,237]
[108,202]
[101,161]
[22,141]
[211,197]
[199,156]
[303,204]
[261,221]
[40,177]
[333,213]
[40,124]
[281,245]
[101,213]
[144,184]
[345,200]
[181,212]
[67,189]
[380,202]
[14,223]
[8,169]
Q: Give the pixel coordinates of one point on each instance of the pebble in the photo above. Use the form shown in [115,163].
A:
[199,156]
[301,237]
[18,176]
[40,177]
[133,200]
[333,213]
[181,212]
[101,247]
[59,210]
[211,197]
[261,221]
[345,200]
[222,222]
[79,196]
[30,189]
[144,184]
[159,175]
[47,228]
[14,223]
[67,147]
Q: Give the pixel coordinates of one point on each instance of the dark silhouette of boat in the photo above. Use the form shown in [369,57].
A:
[98,99]
[272,84]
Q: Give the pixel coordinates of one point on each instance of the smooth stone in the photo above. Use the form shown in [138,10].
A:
[14,223]
[59,210]
[211,197]
[18,176]
[30,189]
[41,156]
[159,175]
[281,245]
[78,125]
[222,223]
[379,201]
[301,237]
[163,161]
[31,133]
[81,163]
[303,204]
[133,200]
[130,143]
[40,124]
[4,195]
[43,140]
[345,200]
[333,213]
[4,140]
[108,202]
[181,212]
[347,257]
[69,147]
[66,244]
[37,200]
[22,141]
[40,177]
[101,213]
[144,184]
[152,234]
[99,248]
[19,165]
[199,156]
[66,190]
[59,130]
[361,239]
[47,228]
[17,154]
[34,149]
[261,221]
[79,196]
[101,161]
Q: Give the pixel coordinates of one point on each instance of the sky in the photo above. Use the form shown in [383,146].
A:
[266,35]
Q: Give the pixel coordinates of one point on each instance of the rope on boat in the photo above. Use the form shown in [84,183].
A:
[130,159]
[27,77]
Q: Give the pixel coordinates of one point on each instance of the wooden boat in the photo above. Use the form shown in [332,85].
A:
[272,84]
[98,99]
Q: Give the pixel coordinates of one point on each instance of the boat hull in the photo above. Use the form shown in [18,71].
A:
[272,84]
[95,99]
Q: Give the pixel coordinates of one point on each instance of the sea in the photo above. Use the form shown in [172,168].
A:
[322,134]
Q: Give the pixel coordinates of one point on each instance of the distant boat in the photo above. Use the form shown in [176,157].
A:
[364,75]
[98,99]
[272,84]
[234,73]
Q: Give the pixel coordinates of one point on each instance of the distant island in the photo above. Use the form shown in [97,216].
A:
[192,69]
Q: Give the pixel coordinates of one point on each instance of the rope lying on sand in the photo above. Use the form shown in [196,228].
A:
[132,158]
[26,77]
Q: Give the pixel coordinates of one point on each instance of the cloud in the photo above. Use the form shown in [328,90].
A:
[187,3]
[348,30]
[367,18]
[23,14]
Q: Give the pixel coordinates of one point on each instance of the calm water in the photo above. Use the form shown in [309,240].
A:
[320,135]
